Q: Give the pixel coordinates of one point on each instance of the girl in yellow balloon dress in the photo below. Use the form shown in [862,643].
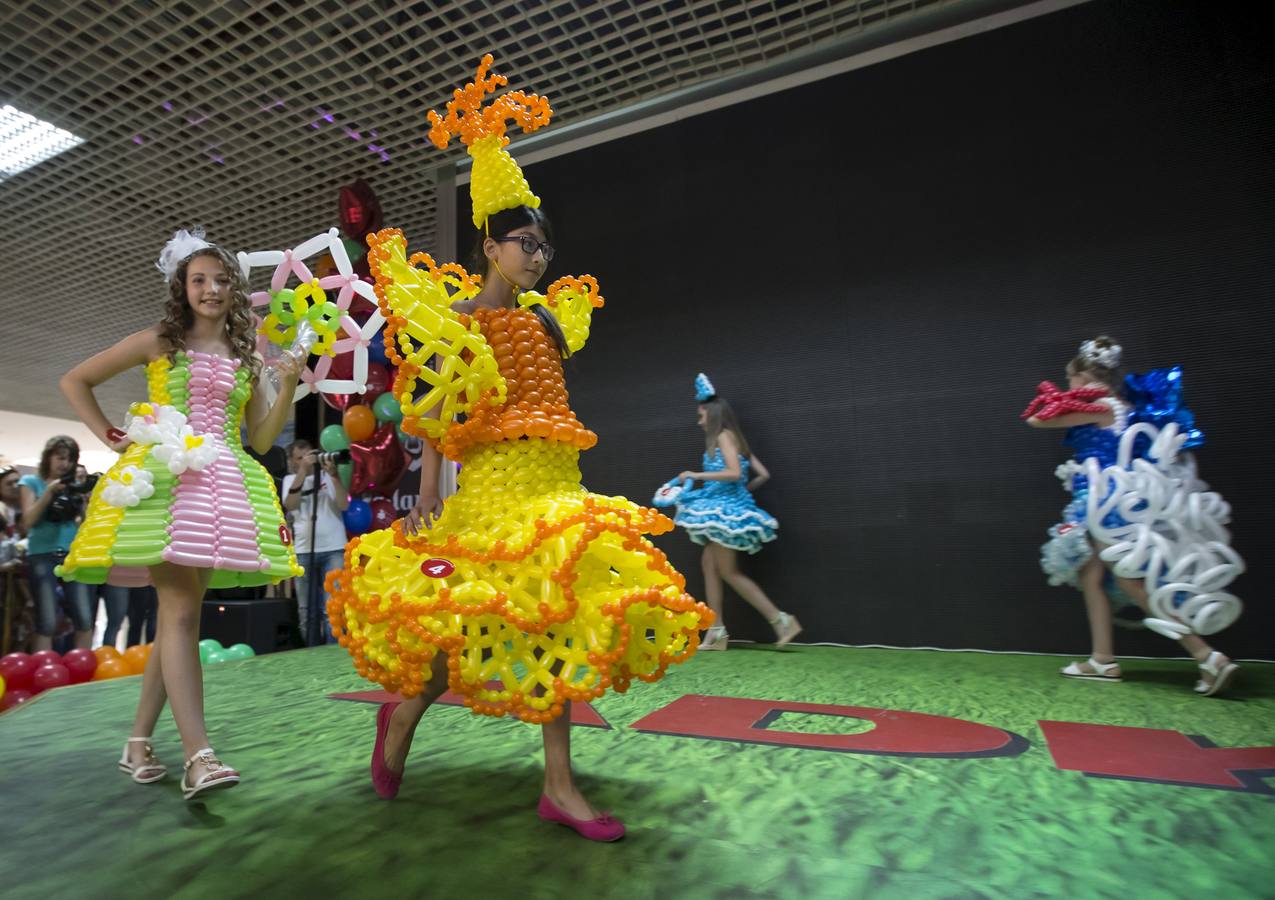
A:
[522,592]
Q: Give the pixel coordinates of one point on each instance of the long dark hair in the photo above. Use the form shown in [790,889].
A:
[53,445]
[719,417]
[499,225]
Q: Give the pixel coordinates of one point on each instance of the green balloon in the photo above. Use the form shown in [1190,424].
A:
[346,472]
[387,408]
[356,250]
[207,647]
[240,651]
[217,656]
[334,438]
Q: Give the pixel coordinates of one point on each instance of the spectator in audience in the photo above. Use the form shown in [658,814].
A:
[49,512]
[325,553]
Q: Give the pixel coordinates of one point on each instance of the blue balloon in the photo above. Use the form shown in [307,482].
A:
[1157,400]
[376,350]
[358,517]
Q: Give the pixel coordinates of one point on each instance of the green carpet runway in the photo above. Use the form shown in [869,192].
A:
[726,818]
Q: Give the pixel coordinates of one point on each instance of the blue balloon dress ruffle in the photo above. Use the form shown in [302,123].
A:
[724,512]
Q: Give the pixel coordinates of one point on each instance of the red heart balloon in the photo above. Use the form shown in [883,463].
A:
[342,370]
[378,382]
[379,462]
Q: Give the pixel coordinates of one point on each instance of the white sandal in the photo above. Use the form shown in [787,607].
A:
[1101,671]
[715,638]
[1218,676]
[210,780]
[786,628]
[149,770]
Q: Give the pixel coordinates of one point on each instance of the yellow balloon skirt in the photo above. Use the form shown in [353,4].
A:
[538,591]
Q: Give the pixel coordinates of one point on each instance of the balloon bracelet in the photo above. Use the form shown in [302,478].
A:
[671,492]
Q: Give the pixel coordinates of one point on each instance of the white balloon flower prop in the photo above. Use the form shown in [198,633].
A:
[331,329]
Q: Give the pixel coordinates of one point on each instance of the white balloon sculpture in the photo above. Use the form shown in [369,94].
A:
[1173,537]
[356,338]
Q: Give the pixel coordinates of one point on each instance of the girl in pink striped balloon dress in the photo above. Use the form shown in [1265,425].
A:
[185,508]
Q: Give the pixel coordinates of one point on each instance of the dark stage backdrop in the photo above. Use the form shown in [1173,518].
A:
[877,269]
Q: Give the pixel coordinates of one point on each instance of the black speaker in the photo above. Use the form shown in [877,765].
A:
[266,625]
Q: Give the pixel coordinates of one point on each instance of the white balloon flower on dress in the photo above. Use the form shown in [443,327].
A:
[128,487]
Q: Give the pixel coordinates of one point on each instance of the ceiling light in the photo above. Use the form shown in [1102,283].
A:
[26,141]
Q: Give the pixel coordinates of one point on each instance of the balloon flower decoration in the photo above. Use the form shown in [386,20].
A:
[303,319]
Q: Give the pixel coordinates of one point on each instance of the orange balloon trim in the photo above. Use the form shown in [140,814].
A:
[400,616]
[469,120]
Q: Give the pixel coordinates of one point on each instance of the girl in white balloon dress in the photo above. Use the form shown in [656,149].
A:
[1139,510]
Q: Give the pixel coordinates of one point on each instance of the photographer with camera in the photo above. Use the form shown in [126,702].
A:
[323,521]
[52,503]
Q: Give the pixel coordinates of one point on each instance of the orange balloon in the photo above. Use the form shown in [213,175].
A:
[105,652]
[360,422]
[111,667]
[135,659]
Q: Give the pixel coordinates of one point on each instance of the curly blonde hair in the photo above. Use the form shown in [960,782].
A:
[241,328]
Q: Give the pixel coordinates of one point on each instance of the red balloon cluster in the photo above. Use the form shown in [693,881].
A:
[26,675]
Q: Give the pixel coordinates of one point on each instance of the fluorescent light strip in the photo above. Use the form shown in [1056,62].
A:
[26,141]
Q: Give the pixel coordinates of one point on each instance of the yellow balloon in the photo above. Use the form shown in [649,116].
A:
[548,591]
[538,591]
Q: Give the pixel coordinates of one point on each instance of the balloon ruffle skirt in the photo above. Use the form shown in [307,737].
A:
[538,591]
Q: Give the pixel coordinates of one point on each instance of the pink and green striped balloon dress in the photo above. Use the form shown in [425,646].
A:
[185,492]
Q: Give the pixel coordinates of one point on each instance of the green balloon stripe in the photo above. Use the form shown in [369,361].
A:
[90,574]
[267,512]
[142,534]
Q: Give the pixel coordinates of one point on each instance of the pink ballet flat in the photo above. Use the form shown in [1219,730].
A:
[604,828]
[385,781]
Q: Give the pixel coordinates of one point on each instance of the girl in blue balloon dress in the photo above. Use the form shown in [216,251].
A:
[1141,525]
[722,515]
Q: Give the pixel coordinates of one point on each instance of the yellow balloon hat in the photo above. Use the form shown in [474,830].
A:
[496,183]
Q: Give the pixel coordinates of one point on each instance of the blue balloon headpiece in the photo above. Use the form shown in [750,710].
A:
[703,389]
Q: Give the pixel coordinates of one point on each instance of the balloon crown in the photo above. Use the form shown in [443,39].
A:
[496,182]
[703,389]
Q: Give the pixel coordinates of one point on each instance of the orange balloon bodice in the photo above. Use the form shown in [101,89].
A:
[536,405]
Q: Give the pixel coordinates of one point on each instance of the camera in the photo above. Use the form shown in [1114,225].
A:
[69,504]
[337,457]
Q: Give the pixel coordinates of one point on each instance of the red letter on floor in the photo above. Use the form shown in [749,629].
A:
[896,733]
[1155,754]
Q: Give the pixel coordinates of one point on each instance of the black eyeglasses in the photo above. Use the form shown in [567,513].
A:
[529,245]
